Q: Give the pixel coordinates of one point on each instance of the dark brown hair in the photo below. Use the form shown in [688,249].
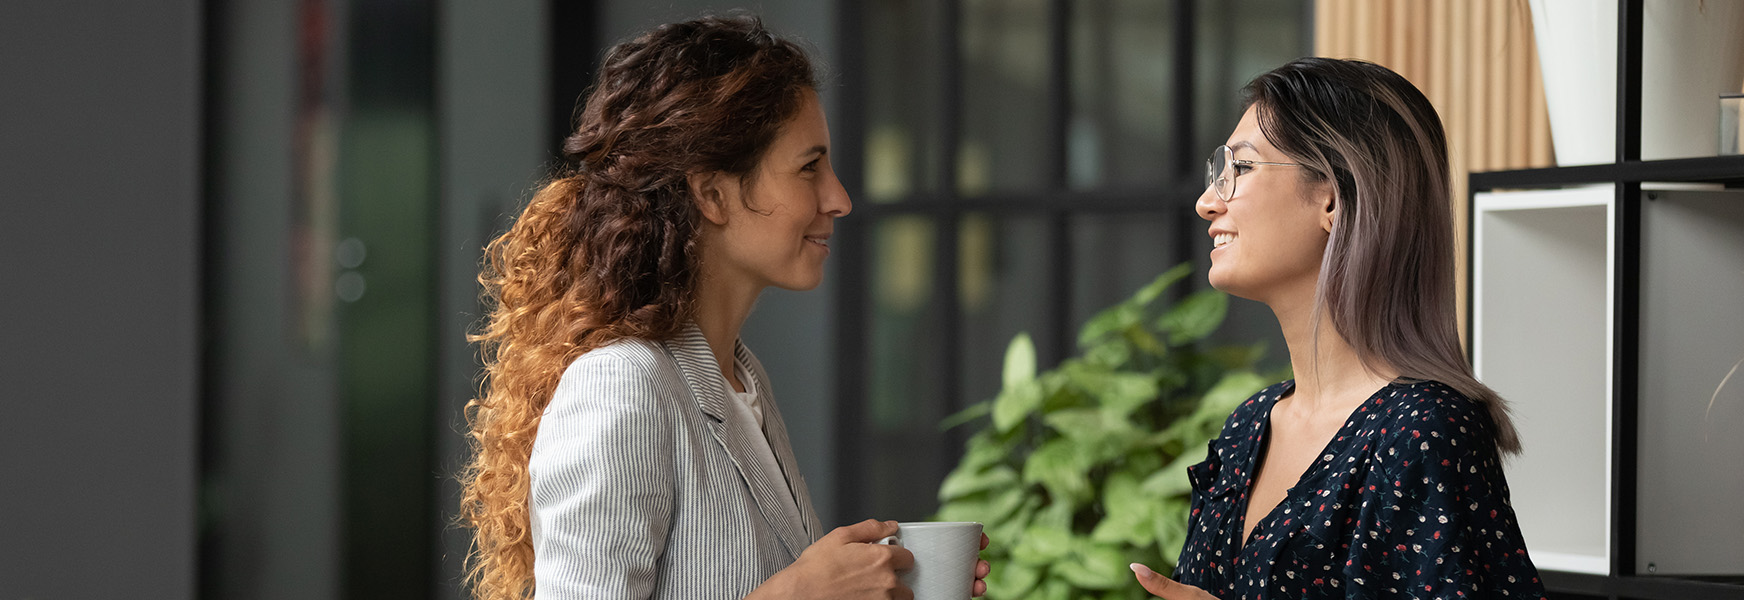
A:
[606,250]
[1386,279]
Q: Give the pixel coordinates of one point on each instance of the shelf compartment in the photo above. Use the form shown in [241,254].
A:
[1542,338]
[1692,333]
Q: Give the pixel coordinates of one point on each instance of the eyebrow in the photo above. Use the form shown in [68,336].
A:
[1244,144]
[819,150]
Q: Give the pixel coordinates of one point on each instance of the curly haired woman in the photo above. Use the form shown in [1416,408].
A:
[627,444]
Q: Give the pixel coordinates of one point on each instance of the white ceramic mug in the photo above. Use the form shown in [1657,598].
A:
[945,556]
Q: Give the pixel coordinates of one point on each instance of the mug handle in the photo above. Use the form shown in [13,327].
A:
[889,540]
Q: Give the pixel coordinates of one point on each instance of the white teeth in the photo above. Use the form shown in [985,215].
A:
[819,241]
[1221,239]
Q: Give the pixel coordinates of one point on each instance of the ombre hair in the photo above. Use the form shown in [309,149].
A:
[1386,279]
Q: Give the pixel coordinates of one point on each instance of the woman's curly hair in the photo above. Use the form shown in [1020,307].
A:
[606,250]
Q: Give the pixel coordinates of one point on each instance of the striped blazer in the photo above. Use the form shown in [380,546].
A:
[645,485]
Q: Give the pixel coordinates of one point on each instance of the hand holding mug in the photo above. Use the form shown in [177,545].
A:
[845,564]
[947,563]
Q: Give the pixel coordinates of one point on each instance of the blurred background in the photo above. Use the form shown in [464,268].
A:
[242,238]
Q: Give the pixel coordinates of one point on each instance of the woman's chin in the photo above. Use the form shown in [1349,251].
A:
[1225,282]
[801,283]
[1218,278]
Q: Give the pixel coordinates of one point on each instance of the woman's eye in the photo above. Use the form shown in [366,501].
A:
[1241,169]
[810,166]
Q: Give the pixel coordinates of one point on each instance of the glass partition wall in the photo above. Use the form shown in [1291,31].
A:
[1017,165]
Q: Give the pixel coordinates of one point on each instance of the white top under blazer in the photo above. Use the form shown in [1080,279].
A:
[646,482]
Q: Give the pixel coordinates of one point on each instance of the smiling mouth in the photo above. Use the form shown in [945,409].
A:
[1221,240]
[825,242]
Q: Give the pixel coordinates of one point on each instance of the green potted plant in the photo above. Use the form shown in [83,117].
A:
[1081,470]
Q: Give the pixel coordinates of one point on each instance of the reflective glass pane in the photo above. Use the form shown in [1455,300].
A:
[1005,109]
[1235,41]
[1004,288]
[1122,62]
[903,98]
[905,396]
[1115,255]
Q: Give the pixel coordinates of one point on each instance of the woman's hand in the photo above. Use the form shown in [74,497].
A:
[981,570]
[1165,588]
[845,564]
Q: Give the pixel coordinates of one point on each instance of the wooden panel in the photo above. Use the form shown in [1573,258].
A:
[1474,59]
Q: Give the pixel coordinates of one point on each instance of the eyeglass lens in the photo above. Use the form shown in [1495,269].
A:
[1217,175]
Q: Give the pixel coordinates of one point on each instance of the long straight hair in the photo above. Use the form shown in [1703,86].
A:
[1386,279]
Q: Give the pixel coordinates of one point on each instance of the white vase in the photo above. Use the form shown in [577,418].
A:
[1692,51]
[1577,57]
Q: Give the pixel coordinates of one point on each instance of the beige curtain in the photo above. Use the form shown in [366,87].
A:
[1474,59]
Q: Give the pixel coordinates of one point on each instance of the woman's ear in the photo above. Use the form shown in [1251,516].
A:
[1328,207]
[710,190]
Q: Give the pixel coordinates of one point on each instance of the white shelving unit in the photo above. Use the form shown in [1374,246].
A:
[1541,337]
[1543,319]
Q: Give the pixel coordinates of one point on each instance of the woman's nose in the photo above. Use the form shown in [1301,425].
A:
[835,201]
[1208,205]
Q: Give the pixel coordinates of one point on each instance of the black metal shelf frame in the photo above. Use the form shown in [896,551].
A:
[1627,172]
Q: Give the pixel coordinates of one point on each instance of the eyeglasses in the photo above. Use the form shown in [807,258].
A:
[1222,168]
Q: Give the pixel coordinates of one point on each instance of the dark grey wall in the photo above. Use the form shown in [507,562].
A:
[493,96]
[100,230]
[273,463]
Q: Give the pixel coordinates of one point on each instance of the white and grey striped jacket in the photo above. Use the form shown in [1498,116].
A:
[644,484]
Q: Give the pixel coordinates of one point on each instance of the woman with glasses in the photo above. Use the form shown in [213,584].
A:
[627,445]
[1377,471]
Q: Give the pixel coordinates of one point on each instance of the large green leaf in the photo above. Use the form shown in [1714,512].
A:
[1081,424]
[1015,404]
[1060,467]
[1012,580]
[964,482]
[1095,566]
[1053,589]
[1228,393]
[1195,317]
[1020,361]
[1171,480]
[984,450]
[1008,531]
[992,508]
[1127,512]
[1042,545]
[1116,318]
[1123,392]
[1171,523]
[1153,290]
[975,411]
[1112,355]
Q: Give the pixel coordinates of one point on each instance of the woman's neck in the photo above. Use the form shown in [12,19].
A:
[722,306]
[1331,377]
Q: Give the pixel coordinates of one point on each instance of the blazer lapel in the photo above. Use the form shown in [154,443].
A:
[778,442]
[690,350]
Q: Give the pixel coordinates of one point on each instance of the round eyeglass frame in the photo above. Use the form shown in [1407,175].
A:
[1223,159]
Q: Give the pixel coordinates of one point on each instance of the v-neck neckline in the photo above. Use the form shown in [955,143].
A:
[1258,453]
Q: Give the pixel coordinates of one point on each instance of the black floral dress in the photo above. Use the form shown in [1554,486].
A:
[1407,501]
